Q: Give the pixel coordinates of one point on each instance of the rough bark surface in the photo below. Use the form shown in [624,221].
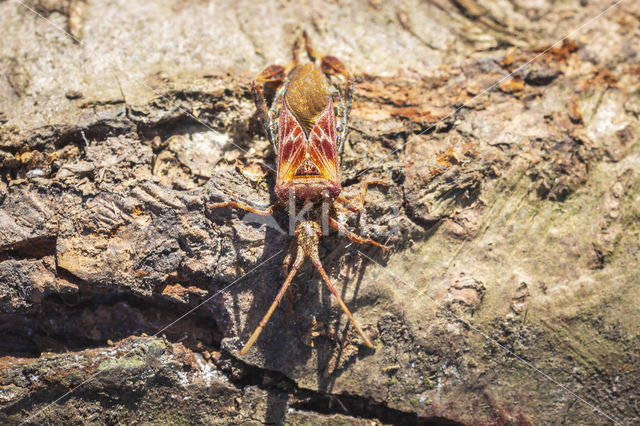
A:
[511,293]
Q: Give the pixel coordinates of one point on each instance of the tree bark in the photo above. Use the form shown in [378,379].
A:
[511,291]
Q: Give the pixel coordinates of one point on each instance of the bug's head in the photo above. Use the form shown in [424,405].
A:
[308,234]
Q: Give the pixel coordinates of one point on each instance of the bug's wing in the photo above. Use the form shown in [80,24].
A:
[292,145]
[323,146]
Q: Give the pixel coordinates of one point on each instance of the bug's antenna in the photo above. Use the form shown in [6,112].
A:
[295,51]
[313,55]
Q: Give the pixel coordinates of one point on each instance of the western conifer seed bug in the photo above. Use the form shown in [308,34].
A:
[307,124]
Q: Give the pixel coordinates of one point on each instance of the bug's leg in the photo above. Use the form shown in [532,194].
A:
[365,186]
[276,301]
[285,265]
[353,236]
[329,64]
[271,77]
[271,74]
[332,65]
[342,115]
[363,193]
[325,277]
[287,259]
[239,205]
[344,201]
[261,106]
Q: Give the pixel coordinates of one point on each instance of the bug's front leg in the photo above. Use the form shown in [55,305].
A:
[334,66]
[271,77]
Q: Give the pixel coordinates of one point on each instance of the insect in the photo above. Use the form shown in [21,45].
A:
[307,124]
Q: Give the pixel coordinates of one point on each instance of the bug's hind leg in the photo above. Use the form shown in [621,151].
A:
[316,261]
[353,236]
[285,265]
[254,336]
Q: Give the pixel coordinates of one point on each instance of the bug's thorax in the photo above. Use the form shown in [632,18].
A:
[308,162]
[307,94]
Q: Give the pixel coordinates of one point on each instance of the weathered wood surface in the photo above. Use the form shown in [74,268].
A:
[511,294]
